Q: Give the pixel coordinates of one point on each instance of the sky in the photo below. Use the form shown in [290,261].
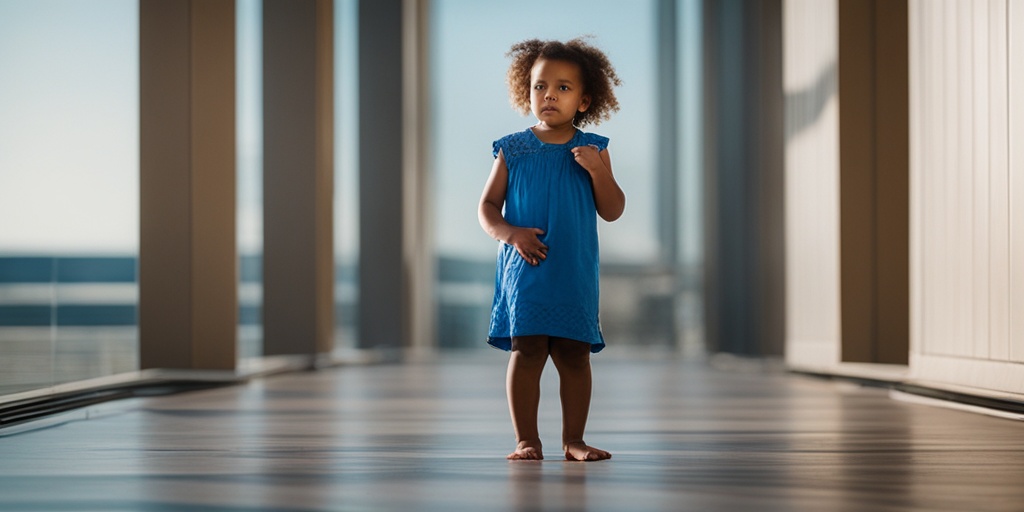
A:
[68,123]
[69,119]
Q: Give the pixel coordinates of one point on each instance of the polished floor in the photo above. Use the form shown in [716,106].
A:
[433,436]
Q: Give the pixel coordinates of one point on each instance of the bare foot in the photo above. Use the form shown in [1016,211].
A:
[578,450]
[527,450]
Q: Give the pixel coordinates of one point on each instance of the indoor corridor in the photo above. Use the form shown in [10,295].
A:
[432,435]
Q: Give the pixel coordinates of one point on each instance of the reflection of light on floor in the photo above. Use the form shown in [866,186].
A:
[432,436]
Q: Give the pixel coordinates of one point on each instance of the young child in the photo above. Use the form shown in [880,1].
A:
[553,180]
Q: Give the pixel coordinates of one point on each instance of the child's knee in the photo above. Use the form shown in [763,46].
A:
[570,353]
[531,348]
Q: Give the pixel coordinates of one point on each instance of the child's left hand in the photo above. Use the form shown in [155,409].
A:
[589,157]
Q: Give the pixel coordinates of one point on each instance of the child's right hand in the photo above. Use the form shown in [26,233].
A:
[528,245]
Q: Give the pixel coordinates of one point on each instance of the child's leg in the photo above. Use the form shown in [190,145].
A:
[529,355]
[572,359]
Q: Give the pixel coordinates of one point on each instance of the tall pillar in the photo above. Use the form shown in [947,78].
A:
[874,181]
[298,167]
[743,176]
[188,290]
[383,307]
[418,222]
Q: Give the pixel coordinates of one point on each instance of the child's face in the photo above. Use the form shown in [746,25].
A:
[556,92]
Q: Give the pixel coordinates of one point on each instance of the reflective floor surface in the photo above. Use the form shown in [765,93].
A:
[433,436]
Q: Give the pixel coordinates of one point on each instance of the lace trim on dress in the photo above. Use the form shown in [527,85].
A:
[526,142]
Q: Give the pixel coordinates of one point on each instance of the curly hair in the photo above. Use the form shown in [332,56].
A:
[597,72]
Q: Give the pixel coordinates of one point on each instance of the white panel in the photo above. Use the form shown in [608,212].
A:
[979,142]
[917,97]
[938,221]
[812,164]
[997,379]
[932,176]
[967,194]
[961,343]
[959,174]
[1015,59]
[946,221]
[923,131]
[999,184]
[935,221]
[948,203]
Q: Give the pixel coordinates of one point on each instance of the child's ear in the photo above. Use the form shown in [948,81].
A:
[584,103]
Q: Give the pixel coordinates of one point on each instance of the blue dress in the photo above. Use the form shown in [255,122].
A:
[547,189]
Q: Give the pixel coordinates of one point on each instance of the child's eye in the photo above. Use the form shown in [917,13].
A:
[538,87]
[563,88]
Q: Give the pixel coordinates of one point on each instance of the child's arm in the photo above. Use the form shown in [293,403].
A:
[608,197]
[489,213]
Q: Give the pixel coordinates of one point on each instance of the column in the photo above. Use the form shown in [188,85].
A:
[188,295]
[743,176]
[874,180]
[298,141]
[383,304]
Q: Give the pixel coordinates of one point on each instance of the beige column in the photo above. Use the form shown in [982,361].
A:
[874,180]
[188,298]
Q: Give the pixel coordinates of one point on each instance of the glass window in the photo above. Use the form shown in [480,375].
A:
[468,41]
[690,192]
[68,190]
[249,113]
[346,175]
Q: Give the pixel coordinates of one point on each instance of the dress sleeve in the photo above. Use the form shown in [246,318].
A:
[600,141]
[497,145]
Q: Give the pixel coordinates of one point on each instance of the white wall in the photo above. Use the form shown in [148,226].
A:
[810,49]
[967,193]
